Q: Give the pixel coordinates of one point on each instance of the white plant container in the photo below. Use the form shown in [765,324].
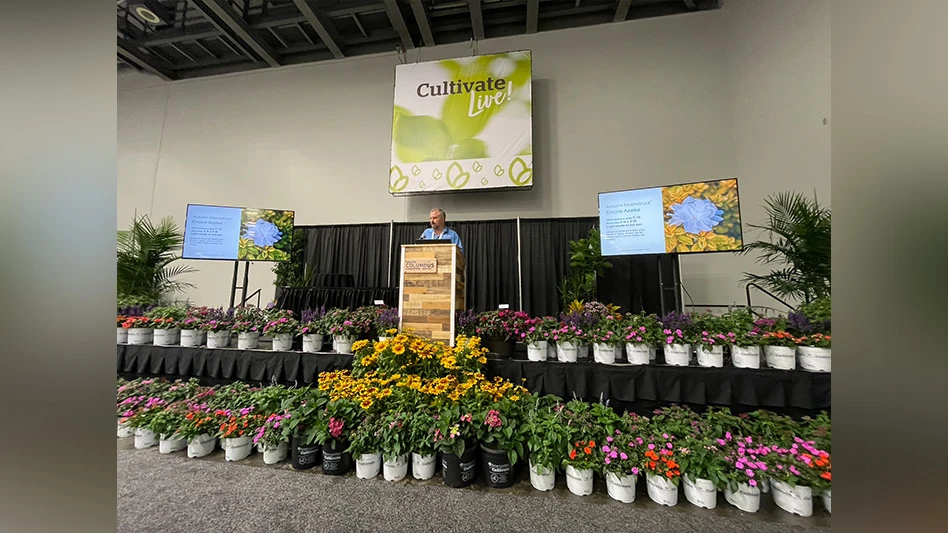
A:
[171,443]
[274,454]
[145,438]
[621,488]
[343,343]
[312,342]
[542,478]
[566,352]
[605,353]
[248,340]
[744,497]
[677,354]
[780,357]
[661,490]
[166,337]
[579,482]
[218,339]
[537,351]
[828,500]
[201,445]
[637,353]
[396,469]
[423,466]
[814,359]
[700,492]
[121,335]
[140,335]
[712,357]
[796,500]
[237,448]
[368,465]
[745,356]
[191,338]
[282,342]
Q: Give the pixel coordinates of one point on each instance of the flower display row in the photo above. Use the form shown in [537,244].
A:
[781,342]
[195,326]
[410,405]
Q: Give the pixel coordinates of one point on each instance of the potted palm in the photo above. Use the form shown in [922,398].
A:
[547,440]
[146,257]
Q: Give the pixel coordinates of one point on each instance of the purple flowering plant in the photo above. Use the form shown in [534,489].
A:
[218,320]
[466,323]
[312,322]
[386,323]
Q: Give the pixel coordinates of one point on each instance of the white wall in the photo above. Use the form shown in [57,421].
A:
[739,91]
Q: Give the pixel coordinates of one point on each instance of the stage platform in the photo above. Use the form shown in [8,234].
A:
[627,387]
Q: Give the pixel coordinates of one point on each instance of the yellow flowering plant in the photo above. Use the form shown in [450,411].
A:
[410,354]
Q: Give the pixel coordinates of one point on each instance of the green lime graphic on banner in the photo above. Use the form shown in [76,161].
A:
[400,182]
[456,177]
[476,109]
[520,174]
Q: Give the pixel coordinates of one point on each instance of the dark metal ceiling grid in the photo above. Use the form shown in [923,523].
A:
[178,39]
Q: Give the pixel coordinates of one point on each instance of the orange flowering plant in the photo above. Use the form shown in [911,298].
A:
[661,459]
[136,322]
[583,455]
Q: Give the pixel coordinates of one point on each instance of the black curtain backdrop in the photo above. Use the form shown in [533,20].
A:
[545,257]
[490,249]
[360,250]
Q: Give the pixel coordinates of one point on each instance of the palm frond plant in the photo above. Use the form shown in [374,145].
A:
[796,237]
[145,269]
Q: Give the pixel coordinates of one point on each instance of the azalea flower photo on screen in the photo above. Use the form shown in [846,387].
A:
[265,235]
[702,217]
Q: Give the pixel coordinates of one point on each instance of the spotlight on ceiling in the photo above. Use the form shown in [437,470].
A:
[151,12]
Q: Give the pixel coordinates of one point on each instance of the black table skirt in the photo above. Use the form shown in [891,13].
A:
[626,387]
[298,299]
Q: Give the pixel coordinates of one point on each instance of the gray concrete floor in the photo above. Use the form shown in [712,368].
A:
[171,493]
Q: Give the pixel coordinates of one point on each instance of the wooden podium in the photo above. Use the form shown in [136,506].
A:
[431,290]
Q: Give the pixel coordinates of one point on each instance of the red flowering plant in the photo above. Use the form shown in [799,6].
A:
[800,464]
[238,423]
[136,322]
[778,338]
[120,320]
[339,419]
[583,455]
[200,419]
[773,332]
[504,323]
[816,340]
[660,458]
[166,317]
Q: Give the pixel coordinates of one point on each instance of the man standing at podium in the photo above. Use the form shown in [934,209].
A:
[437,231]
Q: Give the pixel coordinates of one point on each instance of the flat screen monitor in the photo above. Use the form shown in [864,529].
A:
[237,233]
[698,217]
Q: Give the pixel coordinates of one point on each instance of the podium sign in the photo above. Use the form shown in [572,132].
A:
[431,290]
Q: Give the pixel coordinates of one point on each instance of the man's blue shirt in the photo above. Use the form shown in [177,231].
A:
[448,235]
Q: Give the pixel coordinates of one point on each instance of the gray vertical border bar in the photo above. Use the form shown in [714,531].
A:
[391,241]
[519,268]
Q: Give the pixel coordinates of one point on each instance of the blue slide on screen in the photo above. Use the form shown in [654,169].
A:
[211,232]
[632,222]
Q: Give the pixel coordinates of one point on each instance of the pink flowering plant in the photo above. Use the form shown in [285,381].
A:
[800,464]
[281,322]
[677,328]
[623,454]
[346,323]
[713,330]
[642,329]
[454,430]
[248,319]
[570,333]
[273,431]
[395,437]
[367,437]
[500,426]
[505,323]
[537,329]
[338,421]
[746,460]
[608,331]
[218,320]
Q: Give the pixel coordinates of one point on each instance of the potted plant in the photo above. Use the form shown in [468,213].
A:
[395,445]
[271,435]
[745,470]
[386,323]
[345,328]
[236,433]
[454,436]
[779,345]
[812,325]
[164,321]
[248,322]
[622,460]
[568,338]
[499,430]
[678,335]
[466,323]
[306,409]
[607,340]
[140,419]
[580,318]
[536,334]
[192,335]
[281,327]
[218,324]
[745,346]
[499,328]
[333,431]
[313,329]
[165,425]
[712,334]
[581,461]
[795,471]
[145,257]
[642,332]
[200,429]
[365,447]
[421,443]
[797,236]
[662,470]
[704,467]
[547,440]
[139,329]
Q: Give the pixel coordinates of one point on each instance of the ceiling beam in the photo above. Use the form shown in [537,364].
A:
[622,11]
[398,22]
[533,14]
[477,18]
[691,5]
[131,55]
[327,33]
[222,17]
[424,24]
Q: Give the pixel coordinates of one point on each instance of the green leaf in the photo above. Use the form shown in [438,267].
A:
[421,138]
[459,124]
[456,177]
[520,174]
[470,149]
